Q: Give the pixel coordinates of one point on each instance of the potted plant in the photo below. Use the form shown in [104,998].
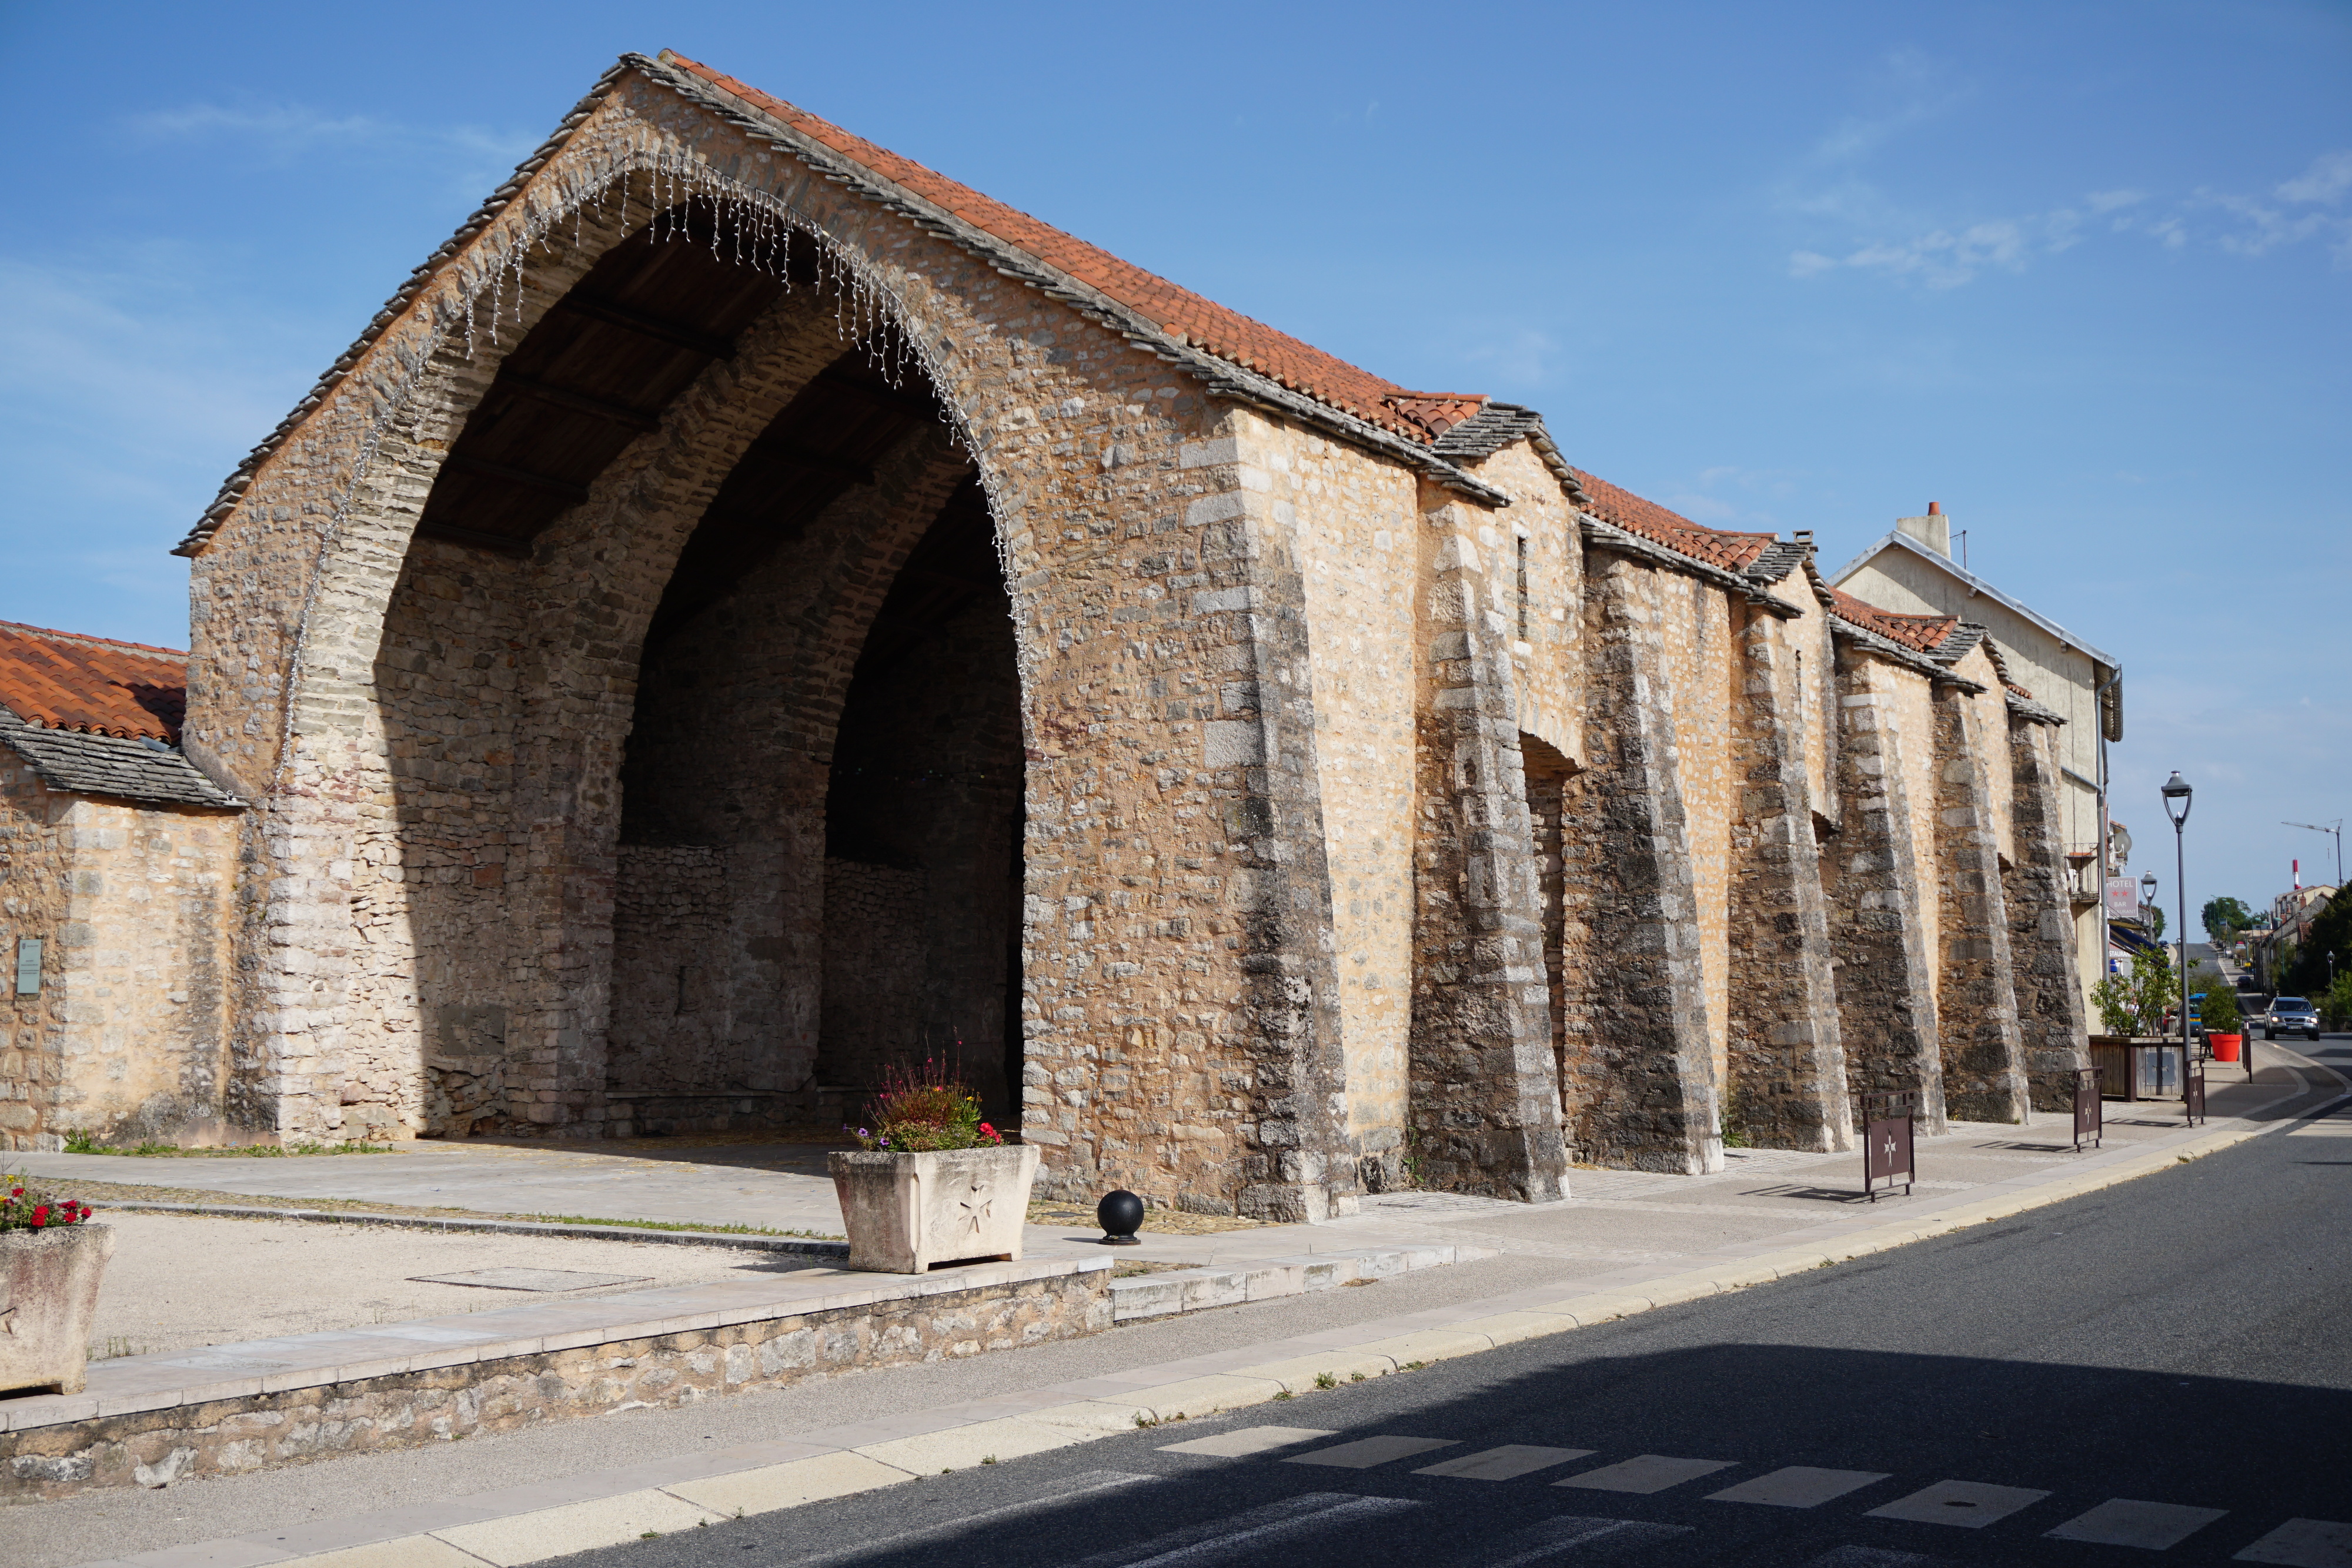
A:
[51,1259]
[932,1182]
[2218,1013]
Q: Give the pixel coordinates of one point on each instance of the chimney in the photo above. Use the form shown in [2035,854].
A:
[1933,530]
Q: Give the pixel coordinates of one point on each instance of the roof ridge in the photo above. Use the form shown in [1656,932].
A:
[1191,317]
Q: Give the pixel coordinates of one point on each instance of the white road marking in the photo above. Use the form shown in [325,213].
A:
[2303,1543]
[1568,1534]
[1246,1536]
[1060,1492]
[1365,1452]
[1971,1505]
[1646,1473]
[1872,1557]
[1798,1486]
[2120,1521]
[1509,1462]
[1244,1441]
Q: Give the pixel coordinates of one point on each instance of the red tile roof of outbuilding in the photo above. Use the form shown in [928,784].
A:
[63,680]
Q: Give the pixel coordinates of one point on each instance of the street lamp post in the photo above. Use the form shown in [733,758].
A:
[2176,793]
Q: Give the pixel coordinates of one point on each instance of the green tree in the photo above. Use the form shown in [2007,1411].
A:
[2134,1002]
[2225,917]
[2153,915]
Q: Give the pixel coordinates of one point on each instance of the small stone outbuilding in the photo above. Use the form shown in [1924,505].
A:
[752,610]
[117,858]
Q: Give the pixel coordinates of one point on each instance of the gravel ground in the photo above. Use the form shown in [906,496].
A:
[183,1281]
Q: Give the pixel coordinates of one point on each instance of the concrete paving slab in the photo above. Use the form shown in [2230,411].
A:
[788,1485]
[577,1527]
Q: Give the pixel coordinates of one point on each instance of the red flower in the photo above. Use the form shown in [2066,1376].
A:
[40,1217]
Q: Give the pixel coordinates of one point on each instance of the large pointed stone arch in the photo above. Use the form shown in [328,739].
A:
[1165,945]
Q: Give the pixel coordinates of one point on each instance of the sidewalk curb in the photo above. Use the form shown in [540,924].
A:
[534,1535]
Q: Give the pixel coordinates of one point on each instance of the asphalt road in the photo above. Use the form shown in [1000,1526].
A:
[2157,1372]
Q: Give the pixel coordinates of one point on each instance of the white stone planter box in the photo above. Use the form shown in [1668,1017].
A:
[906,1213]
[48,1294]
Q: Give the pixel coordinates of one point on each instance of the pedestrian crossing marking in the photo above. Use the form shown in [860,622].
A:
[2325,1127]
[1971,1505]
[1646,1473]
[1874,1557]
[1244,1441]
[1244,1537]
[1798,1486]
[1365,1452]
[1569,1535]
[1506,1463]
[2303,1543]
[2121,1521]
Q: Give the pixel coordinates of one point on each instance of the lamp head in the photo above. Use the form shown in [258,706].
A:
[2147,888]
[2176,793]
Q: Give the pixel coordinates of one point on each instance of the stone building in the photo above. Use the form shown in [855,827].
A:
[117,858]
[1911,569]
[752,610]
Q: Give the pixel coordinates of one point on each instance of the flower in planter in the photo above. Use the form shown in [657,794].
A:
[23,1209]
[921,1111]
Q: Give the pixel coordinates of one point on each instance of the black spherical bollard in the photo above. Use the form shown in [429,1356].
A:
[1121,1214]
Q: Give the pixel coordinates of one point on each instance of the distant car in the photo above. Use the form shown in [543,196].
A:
[2291,1015]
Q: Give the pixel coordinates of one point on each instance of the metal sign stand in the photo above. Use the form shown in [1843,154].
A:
[1887,1147]
[2090,1113]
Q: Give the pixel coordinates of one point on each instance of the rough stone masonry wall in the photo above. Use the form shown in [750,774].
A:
[126,1038]
[36,883]
[2054,1026]
[409,1410]
[1883,952]
[1786,1085]
[1637,1070]
[1174,864]
[1352,522]
[1703,679]
[734,729]
[1976,996]
[671,1003]
[1485,1105]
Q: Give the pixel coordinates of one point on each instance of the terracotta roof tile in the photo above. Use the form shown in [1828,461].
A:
[1921,634]
[65,680]
[1204,323]
[1731,551]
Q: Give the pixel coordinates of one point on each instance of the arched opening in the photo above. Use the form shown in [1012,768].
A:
[719,877]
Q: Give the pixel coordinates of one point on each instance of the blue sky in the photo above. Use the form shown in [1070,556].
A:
[2080,273]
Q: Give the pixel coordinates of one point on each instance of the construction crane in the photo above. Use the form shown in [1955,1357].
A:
[2320,828]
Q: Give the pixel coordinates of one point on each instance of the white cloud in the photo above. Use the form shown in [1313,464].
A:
[2326,181]
[289,133]
[1946,256]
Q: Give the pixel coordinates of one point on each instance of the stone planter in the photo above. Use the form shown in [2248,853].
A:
[48,1296]
[907,1213]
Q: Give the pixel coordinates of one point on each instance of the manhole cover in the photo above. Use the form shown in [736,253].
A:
[530,1279]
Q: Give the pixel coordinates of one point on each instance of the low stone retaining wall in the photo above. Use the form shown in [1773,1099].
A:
[56,1446]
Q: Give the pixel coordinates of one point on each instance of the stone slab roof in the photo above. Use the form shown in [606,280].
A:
[81,762]
[64,681]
